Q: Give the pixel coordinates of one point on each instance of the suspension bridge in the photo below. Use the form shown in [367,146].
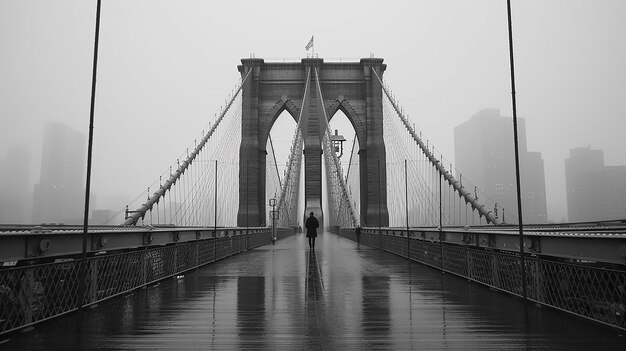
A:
[195,249]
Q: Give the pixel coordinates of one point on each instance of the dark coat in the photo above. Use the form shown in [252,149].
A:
[311,225]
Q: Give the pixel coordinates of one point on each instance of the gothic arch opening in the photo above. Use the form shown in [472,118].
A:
[340,125]
[281,134]
[278,145]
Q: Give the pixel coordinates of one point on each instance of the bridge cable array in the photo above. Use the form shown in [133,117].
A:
[353,181]
[426,172]
[189,193]
[189,196]
[341,208]
[290,189]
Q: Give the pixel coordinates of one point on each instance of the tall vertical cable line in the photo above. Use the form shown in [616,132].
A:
[81,294]
[515,141]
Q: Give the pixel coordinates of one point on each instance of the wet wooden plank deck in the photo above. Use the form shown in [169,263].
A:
[340,296]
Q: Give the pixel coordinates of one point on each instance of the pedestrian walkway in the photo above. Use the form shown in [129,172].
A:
[341,296]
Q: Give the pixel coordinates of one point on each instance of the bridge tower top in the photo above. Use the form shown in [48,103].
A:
[248,63]
[312,91]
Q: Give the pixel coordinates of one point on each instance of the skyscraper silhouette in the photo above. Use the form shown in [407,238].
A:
[594,191]
[58,197]
[484,153]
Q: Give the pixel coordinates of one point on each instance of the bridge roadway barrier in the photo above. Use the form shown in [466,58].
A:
[42,279]
[593,290]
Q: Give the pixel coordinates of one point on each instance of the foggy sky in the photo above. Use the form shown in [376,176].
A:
[165,67]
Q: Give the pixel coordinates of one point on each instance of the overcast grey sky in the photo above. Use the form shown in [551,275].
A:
[165,67]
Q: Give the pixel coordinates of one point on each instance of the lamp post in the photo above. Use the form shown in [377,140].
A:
[274,216]
[516,146]
[337,141]
[83,261]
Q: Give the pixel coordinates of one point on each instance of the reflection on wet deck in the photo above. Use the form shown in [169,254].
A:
[341,296]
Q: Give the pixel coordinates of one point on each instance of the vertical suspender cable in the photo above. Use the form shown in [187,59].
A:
[406,207]
[191,194]
[441,235]
[81,295]
[517,170]
[440,194]
[140,212]
[215,214]
[469,198]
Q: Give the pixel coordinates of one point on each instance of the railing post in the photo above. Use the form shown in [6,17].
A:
[495,266]
[175,258]
[93,280]
[441,239]
[144,268]
[27,295]
[467,263]
[537,279]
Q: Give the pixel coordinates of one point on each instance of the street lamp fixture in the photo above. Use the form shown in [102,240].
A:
[337,141]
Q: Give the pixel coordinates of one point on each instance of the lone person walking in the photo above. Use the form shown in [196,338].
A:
[311,229]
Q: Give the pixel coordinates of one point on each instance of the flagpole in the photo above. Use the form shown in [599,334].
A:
[311,45]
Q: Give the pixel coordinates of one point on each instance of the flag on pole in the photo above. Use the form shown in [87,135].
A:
[309,45]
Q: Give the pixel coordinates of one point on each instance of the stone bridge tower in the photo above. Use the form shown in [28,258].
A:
[274,87]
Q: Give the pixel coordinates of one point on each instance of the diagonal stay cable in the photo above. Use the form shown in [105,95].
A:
[133,216]
[489,215]
[296,145]
[335,159]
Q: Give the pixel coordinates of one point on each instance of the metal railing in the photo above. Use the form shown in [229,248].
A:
[584,289]
[35,293]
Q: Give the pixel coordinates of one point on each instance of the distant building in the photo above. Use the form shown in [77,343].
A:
[59,195]
[594,191]
[616,192]
[15,195]
[484,153]
[533,185]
